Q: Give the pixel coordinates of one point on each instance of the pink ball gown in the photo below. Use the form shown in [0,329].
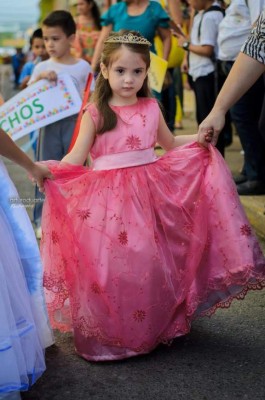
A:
[136,247]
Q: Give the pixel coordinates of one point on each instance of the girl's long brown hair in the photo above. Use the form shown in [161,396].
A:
[103,92]
[95,13]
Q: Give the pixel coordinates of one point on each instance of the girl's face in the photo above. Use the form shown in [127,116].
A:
[126,75]
[83,6]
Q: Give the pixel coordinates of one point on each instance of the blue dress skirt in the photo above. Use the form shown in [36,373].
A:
[24,325]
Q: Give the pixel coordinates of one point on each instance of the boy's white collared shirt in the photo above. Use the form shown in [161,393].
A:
[78,72]
[201,65]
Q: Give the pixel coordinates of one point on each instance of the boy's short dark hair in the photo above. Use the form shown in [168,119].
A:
[63,19]
[36,34]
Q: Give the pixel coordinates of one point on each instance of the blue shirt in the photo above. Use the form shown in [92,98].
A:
[147,23]
[26,70]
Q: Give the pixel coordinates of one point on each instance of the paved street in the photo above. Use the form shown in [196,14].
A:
[222,358]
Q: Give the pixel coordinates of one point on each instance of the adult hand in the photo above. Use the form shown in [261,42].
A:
[210,127]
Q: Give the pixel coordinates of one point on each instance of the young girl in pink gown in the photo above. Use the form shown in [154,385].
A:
[136,247]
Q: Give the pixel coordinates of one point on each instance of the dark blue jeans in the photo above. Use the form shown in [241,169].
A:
[245,114]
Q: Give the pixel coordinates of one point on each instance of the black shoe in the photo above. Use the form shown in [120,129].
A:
[251,188]
[240,178]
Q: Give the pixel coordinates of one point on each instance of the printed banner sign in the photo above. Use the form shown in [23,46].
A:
[41,104]
[157,72]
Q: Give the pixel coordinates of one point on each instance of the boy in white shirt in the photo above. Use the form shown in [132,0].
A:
[58,33]
[234,29]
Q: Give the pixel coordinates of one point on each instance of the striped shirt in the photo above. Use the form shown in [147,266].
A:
[254,46]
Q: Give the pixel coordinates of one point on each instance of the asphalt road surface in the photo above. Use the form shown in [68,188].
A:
[222,358]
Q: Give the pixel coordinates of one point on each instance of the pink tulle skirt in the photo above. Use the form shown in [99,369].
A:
[133,255]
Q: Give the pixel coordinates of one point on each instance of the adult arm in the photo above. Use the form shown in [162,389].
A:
[106,4]
[174,9]
[242,76]
[165,138]
[165,36]
[104,33]
[77,46]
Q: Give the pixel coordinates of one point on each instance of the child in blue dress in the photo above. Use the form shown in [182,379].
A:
[24,325]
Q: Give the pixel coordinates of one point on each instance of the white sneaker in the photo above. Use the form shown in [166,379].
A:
[38,232]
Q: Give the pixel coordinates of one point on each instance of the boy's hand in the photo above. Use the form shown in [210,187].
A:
[38,173]
[50,75]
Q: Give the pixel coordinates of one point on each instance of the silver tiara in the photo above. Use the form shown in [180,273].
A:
[128,38]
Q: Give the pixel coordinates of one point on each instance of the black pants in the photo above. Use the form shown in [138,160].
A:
[168,99]
[206,89]
[262,116]
[246,115]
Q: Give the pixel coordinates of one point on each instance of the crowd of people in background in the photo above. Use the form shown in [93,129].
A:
[200,39]
[211,47]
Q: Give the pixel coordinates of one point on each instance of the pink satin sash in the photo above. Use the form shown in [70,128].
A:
[125,159]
